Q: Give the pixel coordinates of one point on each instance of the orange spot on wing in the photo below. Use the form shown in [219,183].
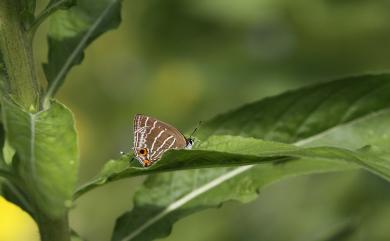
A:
[147,163]
[143,151]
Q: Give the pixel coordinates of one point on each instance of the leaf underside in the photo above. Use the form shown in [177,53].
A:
[71,31]
[47,155]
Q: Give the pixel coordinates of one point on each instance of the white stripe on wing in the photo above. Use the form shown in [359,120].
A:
[155,139]
[143,140]
[161,146]
[166,149]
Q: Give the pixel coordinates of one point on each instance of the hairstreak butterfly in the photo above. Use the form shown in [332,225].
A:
[153,137]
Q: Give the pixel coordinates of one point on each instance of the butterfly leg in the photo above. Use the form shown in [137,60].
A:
[131,160]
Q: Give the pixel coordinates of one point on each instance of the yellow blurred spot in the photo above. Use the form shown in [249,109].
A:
[16,224]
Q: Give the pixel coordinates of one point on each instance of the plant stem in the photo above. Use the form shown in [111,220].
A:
[21,84]
[17,54]
[54,229]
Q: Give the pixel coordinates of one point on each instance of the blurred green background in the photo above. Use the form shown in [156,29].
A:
[183,61]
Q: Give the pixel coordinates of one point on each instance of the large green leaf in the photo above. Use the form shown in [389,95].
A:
[305,113]
[280,114]
[352,113]
[166,198]
[211,156]
[225,151]
[71,31]
[46,147]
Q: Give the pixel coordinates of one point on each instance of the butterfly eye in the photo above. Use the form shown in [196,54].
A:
[143,151]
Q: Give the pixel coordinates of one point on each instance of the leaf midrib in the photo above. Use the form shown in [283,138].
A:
[32,144]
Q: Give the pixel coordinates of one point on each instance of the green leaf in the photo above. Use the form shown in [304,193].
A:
[265,152]
[351,113]
[356,106]
[46,147]
[168,197]
[225,151]
[305,113]
[71,31]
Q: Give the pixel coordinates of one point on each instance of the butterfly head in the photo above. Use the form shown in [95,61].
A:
[190,143]
[143,156]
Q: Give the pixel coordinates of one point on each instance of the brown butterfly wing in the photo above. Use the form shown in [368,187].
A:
[156,136]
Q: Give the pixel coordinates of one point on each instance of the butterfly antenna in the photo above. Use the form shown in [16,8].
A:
[194,131]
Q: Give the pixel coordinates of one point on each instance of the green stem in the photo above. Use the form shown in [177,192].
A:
[21,84]
[16,49]
[53,229]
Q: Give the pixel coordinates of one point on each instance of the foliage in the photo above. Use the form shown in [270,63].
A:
[70,33]
[330,127]
[35,138]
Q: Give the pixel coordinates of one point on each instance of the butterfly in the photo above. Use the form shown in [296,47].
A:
[153,137]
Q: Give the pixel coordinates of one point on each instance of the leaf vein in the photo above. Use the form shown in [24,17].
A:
[312,111]
[360,97]
[32,144]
